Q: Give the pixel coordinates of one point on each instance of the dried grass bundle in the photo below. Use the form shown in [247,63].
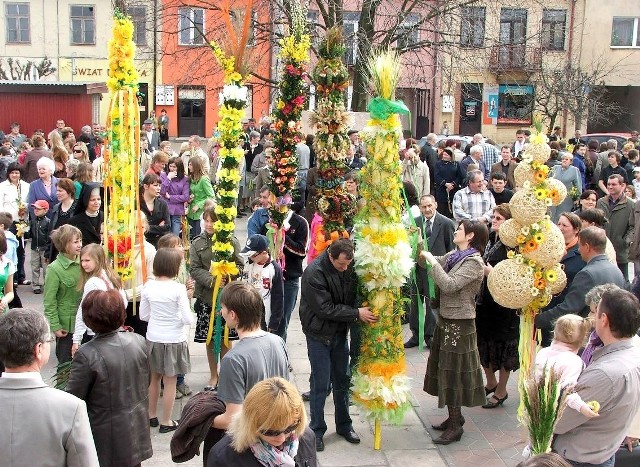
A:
[544,402]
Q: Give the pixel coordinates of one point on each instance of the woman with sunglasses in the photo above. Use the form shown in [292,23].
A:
[271,430]
[81,152]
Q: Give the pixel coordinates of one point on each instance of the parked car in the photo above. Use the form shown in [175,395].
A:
[463,140]
[621,138]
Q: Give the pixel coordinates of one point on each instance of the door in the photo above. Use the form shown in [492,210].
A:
[191,111]
[470,121]
[423,105]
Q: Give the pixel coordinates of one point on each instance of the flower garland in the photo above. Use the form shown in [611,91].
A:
[383,259]
[122,140]
[540,246]
[233,100]
[331,143]
[294,53]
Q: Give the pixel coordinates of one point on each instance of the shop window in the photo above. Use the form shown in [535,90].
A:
[515,104]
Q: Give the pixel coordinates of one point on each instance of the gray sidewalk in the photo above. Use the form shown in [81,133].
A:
[492,438]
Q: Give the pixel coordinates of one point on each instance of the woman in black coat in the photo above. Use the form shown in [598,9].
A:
[498,327]
[272,427]
[155,208]
[111,374]
[448,180]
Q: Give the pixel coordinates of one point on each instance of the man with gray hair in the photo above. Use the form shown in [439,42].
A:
[34,414]
[429,155]
[474,157]
[474,202]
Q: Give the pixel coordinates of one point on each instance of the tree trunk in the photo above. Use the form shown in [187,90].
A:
[365,39]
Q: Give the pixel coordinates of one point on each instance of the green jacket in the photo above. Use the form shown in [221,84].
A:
[200,257]
[61,294]
[201,191]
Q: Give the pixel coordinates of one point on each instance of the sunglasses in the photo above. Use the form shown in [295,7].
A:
[286,431]
[77,150]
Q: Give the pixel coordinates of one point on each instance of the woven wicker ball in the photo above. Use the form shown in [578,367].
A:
[510,284]
[552,248]
[558,286]
[558,185]
[538,152]
[509,230]
[525,208]
[522,174]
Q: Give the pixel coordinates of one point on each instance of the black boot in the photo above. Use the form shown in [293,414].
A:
[443,426]
[454,427]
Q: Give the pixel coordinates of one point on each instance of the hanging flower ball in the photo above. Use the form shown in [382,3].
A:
[556,279]
[522,174]
[557,191]
[526,208]
[511,283]
[538,152]
[509,231]
[549,248]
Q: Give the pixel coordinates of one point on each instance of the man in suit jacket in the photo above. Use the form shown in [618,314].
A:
[436,231]
[507,166]
[34,414]
[598,271]
[152,135]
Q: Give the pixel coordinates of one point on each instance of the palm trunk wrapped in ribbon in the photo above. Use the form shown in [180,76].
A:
[331,144]
[294,52]
[233,100]
[122,143]
[383,260]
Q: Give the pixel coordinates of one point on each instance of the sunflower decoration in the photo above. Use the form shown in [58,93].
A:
[532,274]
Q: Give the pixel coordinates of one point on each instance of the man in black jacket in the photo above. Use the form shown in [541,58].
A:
[327,307]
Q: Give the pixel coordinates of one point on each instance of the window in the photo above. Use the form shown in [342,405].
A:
[408,32]
[515,104]
[83,24]
[139,18]
[350,26]
[554,23]
[17,22]
[191,26]
[624,32]
[472,26]
[513,26]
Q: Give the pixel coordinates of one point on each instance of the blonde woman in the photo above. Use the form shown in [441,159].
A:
[81,152]
[271,430]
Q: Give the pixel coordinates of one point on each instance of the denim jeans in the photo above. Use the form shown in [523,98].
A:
[608,463]
[194,228]
[329,362]
[176,225]
[291,287]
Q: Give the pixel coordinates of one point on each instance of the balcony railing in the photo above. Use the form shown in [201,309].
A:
[515,58]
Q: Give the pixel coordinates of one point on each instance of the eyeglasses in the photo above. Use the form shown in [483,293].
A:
[286,431]
[77,150]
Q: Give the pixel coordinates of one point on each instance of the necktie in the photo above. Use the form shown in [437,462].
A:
[427,228]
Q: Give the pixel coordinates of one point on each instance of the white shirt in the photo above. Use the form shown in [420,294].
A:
[165,306]
[94,283]
[9,197]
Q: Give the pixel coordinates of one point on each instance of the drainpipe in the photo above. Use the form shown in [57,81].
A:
[572,18]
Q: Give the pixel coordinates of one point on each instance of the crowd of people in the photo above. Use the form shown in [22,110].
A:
[127,342]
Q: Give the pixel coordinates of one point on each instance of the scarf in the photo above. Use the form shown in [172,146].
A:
[456,257]
[570,245]
[270,456]
[594,344]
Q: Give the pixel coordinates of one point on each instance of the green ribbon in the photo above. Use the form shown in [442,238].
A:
[381,108]
[414,277]
[217,336]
